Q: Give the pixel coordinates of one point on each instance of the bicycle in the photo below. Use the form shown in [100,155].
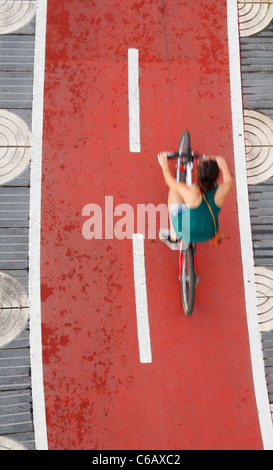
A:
[188,273]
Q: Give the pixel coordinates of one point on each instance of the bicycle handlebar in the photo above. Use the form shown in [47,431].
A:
[186,156]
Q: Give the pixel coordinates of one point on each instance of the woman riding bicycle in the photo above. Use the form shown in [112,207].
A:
[190,216]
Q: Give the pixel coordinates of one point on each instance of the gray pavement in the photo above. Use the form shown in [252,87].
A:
[16,94]
[257,81]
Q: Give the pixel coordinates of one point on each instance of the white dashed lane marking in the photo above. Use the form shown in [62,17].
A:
[133,100]
[143,328]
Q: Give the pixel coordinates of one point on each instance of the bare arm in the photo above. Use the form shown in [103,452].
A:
[225,187]
[170,181]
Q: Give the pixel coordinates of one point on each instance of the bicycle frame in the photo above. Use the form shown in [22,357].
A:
[188,169]
[188,273]
[185,167]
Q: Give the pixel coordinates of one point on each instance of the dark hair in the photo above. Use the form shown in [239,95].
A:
[207,174]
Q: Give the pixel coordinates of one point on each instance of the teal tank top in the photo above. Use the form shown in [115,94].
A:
[196,225]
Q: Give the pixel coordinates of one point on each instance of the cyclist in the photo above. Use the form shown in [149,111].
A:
[190,216]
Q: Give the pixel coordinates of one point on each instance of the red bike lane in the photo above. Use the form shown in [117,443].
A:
[197,393]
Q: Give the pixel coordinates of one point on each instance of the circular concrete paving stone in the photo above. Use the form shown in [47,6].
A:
[15,14]
[10,444]
[14,309]
[254,16]
[258,129]
[264,290]
[15,146]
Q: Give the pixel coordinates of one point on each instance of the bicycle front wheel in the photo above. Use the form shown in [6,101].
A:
[184,148]
[188,281]
[184,143]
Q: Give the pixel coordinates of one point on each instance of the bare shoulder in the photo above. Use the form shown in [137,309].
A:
[194,196]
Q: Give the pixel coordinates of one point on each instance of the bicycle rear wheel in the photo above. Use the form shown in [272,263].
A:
[188,280]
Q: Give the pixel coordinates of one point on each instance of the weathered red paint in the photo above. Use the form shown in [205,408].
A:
[198,392]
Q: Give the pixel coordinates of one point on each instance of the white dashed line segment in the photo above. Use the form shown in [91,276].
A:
[143,328]
[133,100]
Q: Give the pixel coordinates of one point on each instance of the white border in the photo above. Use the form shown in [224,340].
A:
[261,392]
[39,416]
